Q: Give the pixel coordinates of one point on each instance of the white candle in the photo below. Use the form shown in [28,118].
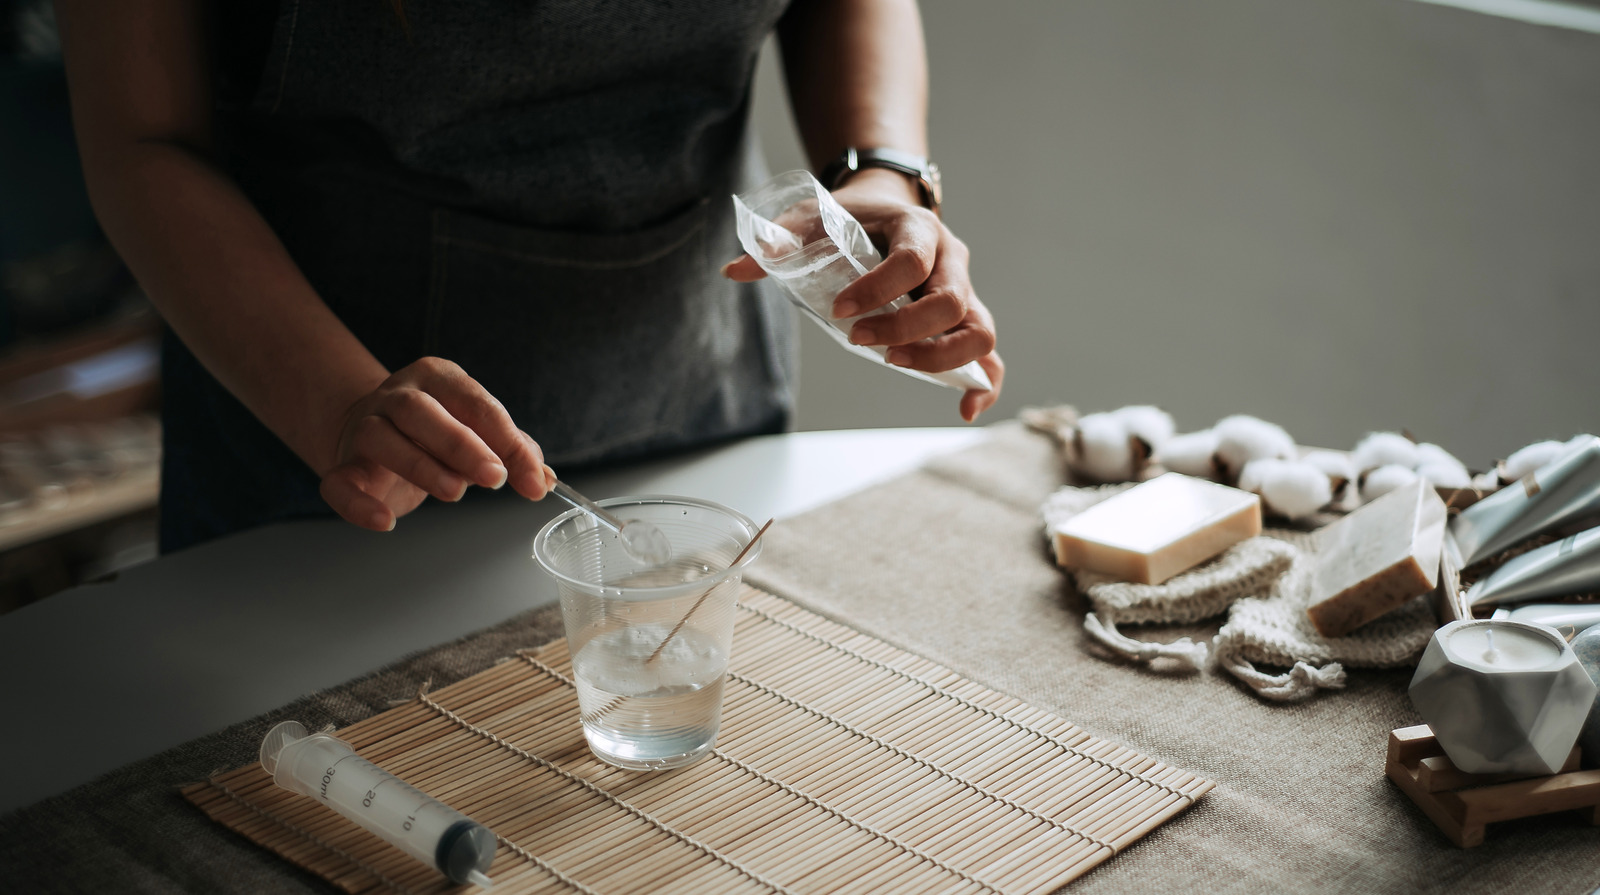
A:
[1491,646]
[1502,696]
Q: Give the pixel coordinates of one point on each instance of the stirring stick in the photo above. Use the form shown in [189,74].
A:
[566,493]
[685,620]
[640,540]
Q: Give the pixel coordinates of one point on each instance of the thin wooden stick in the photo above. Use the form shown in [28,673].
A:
[685,620]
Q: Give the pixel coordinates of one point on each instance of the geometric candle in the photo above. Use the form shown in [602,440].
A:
[1502,696]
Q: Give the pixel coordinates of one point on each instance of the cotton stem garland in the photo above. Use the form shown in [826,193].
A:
[1260,584]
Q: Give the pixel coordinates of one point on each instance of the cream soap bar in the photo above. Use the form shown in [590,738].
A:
[1157,529]
[1377,558]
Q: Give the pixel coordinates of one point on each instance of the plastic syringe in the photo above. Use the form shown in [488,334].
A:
[328,769]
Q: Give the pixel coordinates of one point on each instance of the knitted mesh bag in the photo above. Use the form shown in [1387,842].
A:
[1272,629]
[1263,584]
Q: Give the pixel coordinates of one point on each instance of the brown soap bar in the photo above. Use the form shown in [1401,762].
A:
[1375,559]
[1153,531]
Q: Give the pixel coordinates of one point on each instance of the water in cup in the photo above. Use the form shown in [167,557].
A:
[650,715]
[639,712]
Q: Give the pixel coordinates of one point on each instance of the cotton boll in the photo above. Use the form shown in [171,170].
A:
[1241,439]
[1297,490]
[1384,449]
[1151,425]
[1291,488]
[1528,459]
[1253,472]
[1193,453]
[1339,469]
[1486,481]
[1103,449]
[1429,453]
[1056,421]
[1384,479]
[1333,464]
[1445,475]
[1347,499]
[1441,468]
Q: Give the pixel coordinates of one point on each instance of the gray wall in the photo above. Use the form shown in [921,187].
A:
[1341,215]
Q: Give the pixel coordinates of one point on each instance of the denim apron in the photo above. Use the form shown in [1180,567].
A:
[537,191]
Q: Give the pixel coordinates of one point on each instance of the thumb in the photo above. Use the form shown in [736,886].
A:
[743,269]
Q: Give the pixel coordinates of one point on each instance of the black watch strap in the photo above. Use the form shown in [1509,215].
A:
[924,172]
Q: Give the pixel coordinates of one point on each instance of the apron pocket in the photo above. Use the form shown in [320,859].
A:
[600,345]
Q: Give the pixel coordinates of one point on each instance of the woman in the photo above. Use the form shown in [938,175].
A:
[343,209]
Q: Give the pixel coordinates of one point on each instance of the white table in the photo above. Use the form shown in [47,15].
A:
[104,675]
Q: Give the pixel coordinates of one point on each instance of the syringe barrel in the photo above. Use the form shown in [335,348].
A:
[329,770]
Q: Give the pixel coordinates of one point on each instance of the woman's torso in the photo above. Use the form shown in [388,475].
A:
[536,191]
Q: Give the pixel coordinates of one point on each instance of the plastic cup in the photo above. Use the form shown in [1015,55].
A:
[639,712]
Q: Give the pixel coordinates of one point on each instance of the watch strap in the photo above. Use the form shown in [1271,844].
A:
[918,168]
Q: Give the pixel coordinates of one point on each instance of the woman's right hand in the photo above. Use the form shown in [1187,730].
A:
[427,429]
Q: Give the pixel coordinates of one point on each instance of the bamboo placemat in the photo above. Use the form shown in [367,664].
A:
[843,764]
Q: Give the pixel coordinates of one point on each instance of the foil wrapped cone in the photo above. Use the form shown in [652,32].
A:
[1559,495]
[1579,617]
[1569,566]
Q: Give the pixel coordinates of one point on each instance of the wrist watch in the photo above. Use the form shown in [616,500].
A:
[924,172]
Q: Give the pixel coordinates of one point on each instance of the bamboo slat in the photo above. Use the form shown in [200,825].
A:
[843,765]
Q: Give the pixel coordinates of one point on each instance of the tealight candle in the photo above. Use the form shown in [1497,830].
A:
[1502,696]
[1502,647]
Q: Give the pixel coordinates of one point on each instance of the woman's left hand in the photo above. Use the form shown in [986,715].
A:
[945,325]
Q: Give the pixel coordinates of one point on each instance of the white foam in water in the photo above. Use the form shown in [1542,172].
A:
[648,715]
[618,662]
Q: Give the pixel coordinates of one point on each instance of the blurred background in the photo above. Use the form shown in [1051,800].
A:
[79,440]
[1339,215]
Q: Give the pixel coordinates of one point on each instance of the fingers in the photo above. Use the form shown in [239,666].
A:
[976,401]
[914,237]
[970,339]
[472,433]
[438,436]
[967,342]
[934,313]
[378,440]
[525,461]
[345,488]
[947,326]
[369,495]
[429,429]
[743,269]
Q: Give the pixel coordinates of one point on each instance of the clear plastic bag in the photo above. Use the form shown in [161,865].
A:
[812,248]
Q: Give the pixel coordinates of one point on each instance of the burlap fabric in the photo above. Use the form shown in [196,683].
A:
[130,831]
[947,562]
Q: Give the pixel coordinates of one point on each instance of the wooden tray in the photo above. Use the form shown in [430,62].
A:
[844,764]
[1461,804]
